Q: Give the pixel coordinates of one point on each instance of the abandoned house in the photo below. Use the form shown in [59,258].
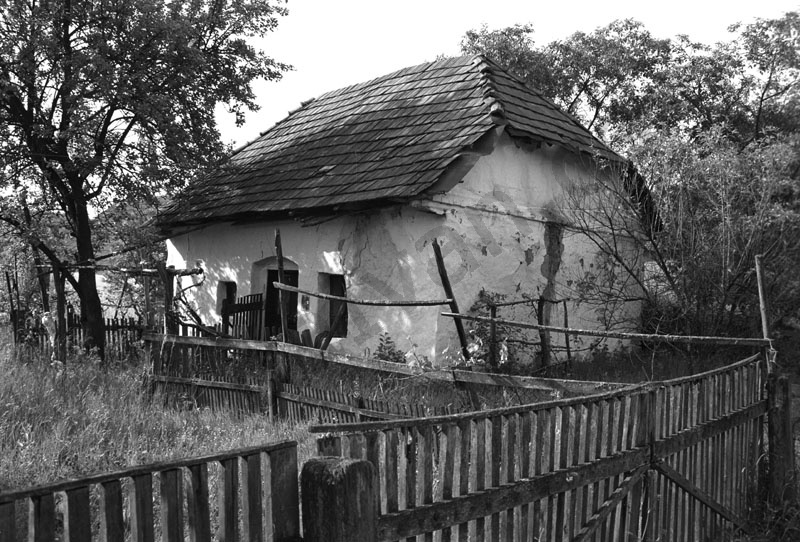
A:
[361,180]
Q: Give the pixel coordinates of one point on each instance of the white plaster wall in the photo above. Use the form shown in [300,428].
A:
[491,227]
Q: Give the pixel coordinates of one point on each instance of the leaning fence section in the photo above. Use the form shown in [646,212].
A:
[673,460]
[243,376]
[245,494]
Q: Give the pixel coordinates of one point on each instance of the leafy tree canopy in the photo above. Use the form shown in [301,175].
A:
[715,131]
[105,101]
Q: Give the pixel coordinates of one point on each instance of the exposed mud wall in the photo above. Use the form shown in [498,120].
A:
[554,244]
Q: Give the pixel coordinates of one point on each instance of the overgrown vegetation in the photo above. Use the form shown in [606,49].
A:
[713,135]
[63,421]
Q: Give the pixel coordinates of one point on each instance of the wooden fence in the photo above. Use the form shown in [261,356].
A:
[204,372]
[122,334]
[243,375]
[250,492]
[675,460]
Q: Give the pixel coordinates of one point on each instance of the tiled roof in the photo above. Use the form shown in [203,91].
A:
[387,139]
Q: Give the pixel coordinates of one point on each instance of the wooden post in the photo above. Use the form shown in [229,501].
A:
[566,337]
[170,318]
[762,305]
[544,335]
[781,442]
[14,322]
[493,336]
[448,291]
[281,278]
[340,502]
[61,308]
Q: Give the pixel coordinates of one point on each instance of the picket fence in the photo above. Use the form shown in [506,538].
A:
[121,336]
[249,493]
[675,460]
[243,376]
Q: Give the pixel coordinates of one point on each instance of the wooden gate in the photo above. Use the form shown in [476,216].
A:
[675,460]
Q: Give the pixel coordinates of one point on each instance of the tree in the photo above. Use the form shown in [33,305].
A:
[713,135]
[107,101]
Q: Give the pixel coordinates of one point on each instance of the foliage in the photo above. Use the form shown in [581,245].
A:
[388,351]
[713,135]
[107,104]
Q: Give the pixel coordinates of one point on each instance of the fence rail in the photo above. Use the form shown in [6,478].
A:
[674,460]
[249,492]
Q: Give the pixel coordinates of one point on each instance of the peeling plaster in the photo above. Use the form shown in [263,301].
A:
[494,228]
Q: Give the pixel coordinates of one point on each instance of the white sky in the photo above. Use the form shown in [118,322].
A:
[335,43]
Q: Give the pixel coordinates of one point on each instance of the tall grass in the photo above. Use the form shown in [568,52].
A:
[65,421]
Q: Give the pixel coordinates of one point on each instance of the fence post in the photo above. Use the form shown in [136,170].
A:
[781,443]
[340,503]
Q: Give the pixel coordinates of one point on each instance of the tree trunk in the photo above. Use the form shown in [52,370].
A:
[91,308]
[43,279]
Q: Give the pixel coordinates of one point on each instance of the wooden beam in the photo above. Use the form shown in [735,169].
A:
[690,437]
[448,291]
[432,517]
[201,383]
[747,341]
[281,279]
[699,494]
[379,303]
[605,510]
[304,399]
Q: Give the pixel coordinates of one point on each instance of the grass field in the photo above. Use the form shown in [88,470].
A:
[66,421]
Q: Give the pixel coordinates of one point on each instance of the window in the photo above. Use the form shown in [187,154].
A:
[328,309]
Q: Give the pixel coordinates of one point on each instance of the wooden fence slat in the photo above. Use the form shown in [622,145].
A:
[391,462]
[8,521]
[171,505]
[228,529]
[77,520]
[426,451]
[480,473]
[465,445]
[252,511]
[448,443]
[41,518]
[198,504]
[411,439]
[141,503]
[512,515]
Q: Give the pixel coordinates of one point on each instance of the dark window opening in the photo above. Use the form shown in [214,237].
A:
[273,312]
[328,309]
[226,293]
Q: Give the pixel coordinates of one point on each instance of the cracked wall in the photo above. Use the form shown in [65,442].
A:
[500,230]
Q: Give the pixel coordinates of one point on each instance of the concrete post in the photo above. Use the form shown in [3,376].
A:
[340,503]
